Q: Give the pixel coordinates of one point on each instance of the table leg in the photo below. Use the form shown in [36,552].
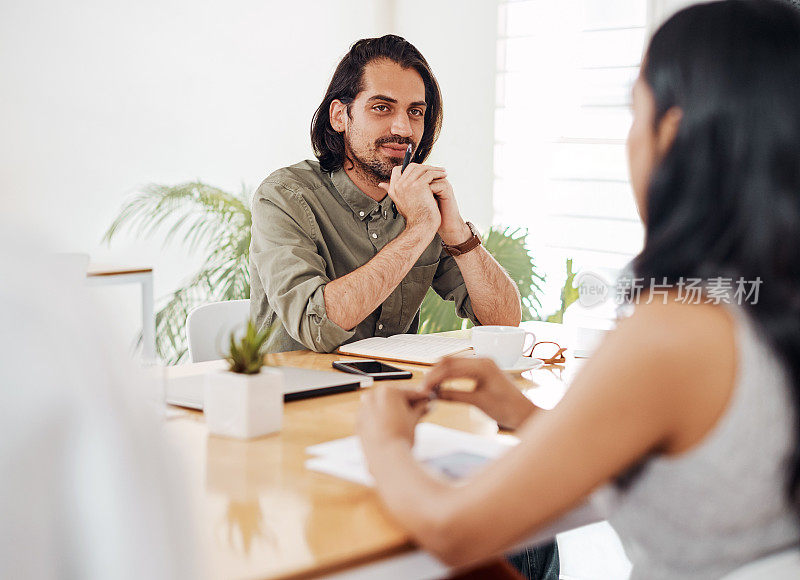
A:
[148,320]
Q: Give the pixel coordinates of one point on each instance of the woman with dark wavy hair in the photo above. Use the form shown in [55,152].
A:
[684,425]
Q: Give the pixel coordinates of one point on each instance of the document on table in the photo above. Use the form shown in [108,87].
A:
[448,452]
[425,349]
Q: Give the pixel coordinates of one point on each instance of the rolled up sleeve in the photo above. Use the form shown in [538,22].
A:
[290,268]
[449,284]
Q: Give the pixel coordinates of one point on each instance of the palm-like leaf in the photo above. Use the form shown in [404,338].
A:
[205,218]
[569,294]
[509,249]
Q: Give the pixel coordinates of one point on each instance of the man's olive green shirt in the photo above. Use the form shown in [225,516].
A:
[311,227]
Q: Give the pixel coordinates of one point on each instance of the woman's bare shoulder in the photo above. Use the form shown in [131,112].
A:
[689,351]
[681,329]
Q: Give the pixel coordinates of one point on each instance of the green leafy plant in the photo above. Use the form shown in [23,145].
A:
[569,294]
[246,354]
[510,250]
[205,219]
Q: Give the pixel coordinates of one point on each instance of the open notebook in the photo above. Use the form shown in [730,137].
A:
[425,349]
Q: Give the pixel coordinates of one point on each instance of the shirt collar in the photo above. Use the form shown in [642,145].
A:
[360,203]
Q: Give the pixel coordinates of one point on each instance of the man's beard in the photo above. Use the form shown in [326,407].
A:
[372,167]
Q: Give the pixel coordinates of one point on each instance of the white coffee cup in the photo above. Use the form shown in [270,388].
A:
[503,344]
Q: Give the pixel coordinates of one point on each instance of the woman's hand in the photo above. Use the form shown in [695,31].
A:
[389,415]
[494,393]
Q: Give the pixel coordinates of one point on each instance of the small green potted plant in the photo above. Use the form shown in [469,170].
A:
[245,401]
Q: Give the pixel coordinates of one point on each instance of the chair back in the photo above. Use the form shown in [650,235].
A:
[781,566]
[209,326]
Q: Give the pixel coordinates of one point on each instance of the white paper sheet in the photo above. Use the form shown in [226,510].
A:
[449,452]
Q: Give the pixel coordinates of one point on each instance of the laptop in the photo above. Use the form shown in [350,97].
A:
[184,386]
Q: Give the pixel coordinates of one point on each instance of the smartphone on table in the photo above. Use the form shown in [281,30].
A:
[378,370]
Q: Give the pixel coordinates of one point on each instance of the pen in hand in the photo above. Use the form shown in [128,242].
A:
[406,158]
[426,399]
[406,161]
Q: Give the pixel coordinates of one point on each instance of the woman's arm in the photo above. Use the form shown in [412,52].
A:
[657,384]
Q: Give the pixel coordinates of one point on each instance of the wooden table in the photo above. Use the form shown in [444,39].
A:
[262,514]
[99,274]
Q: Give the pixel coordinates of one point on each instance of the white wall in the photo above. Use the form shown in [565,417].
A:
[100,98]
[105,97]
[660,10]
[459,40]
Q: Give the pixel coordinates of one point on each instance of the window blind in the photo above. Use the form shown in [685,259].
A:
[564,73]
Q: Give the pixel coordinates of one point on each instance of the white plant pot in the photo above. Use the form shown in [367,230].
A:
[244,406]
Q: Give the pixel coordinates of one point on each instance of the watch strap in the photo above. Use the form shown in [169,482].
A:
[463,248]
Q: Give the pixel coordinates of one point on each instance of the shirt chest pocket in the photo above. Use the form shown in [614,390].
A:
[414,287]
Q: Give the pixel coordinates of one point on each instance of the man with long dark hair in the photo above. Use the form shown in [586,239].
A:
[345,247]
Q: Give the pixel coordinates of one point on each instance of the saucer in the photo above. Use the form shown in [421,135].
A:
[524,363]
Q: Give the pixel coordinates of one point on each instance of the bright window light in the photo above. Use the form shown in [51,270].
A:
[564,75]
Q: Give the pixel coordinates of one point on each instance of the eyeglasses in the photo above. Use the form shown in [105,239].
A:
[550,355]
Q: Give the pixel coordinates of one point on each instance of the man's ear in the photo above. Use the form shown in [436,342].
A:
[668,129]
[338,115]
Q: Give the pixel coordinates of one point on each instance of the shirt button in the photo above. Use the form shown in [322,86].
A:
[375,236]
[380,326]
[385,215]
[361,214]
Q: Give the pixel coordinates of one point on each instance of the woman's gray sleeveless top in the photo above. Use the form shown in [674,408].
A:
[721,504]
